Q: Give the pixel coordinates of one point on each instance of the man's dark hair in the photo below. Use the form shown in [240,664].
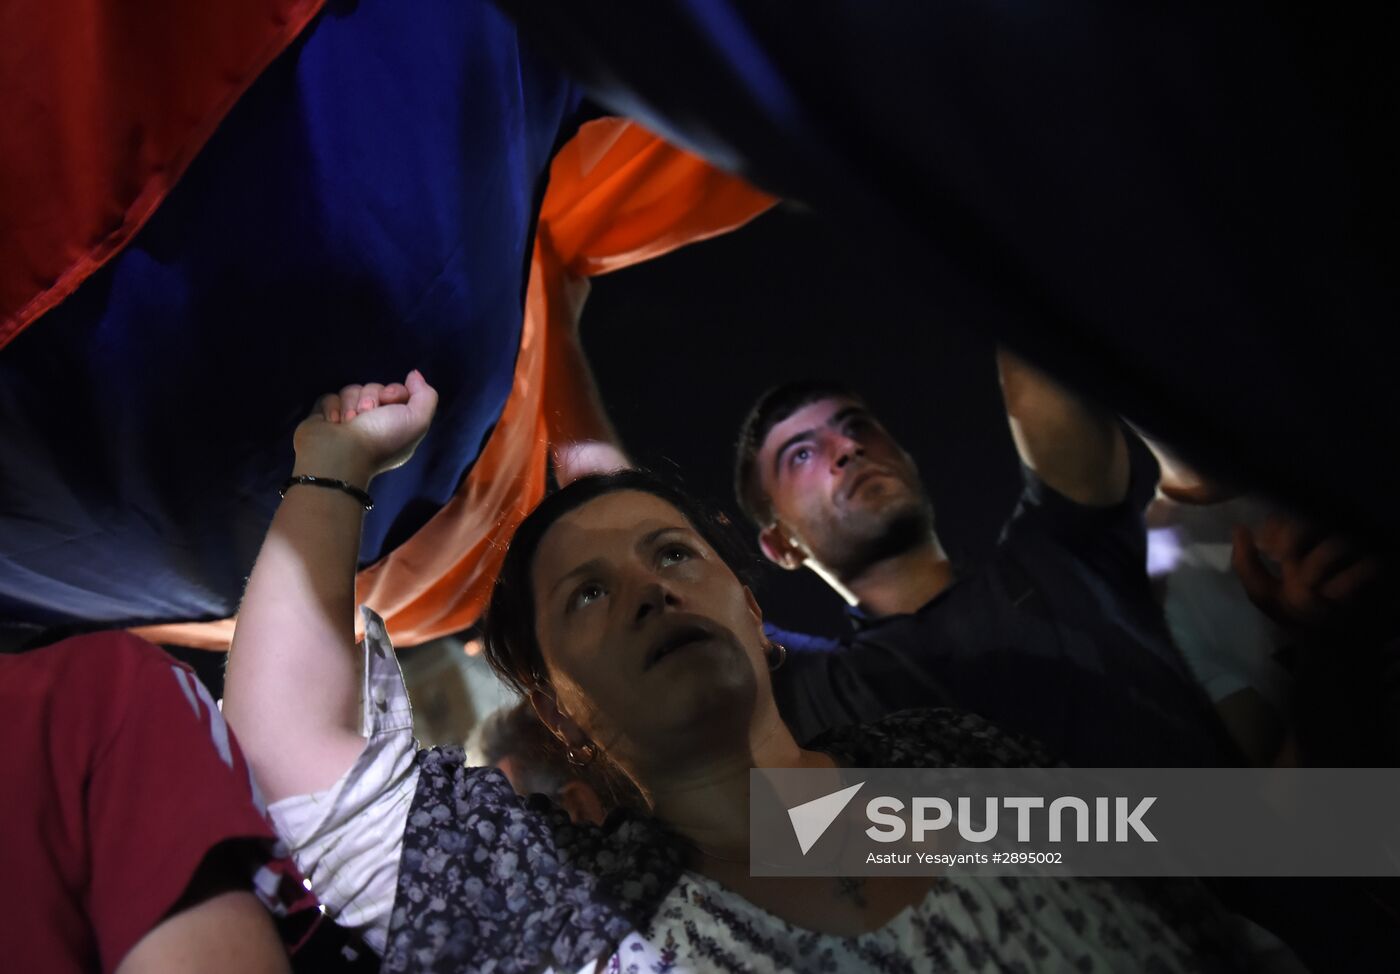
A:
[542,762]
[774,406]
[515,731]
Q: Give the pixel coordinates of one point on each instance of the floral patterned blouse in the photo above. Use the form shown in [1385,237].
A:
[483,880]
[968,923]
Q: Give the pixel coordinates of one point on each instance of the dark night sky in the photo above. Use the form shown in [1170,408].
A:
[682,345]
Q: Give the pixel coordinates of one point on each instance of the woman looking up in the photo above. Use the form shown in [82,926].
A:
[639,647]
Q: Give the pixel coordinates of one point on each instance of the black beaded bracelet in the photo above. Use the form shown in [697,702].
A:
[333,484]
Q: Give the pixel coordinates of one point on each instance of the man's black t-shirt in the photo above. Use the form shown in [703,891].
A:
[1057,637]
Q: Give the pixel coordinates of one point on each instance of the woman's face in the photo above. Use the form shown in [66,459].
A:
[654,648]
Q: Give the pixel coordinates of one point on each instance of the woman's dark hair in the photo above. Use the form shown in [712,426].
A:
[512,646]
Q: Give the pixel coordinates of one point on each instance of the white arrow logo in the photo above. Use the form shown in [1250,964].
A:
[810,820]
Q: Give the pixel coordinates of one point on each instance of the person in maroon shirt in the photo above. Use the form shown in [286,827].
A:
[132,837]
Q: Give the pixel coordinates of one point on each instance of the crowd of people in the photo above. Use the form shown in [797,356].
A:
[651,684]
[1134,613]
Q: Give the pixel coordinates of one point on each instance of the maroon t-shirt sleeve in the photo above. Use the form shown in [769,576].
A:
[166,787]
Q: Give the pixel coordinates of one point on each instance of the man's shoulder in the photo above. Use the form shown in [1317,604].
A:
[111,651]
[92,679]
[966,603]
[1041,503]
[863,629]
[1049,536]
[932,737]
[956,608]
[804,642]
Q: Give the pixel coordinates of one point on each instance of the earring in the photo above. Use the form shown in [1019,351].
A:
[582,756]
[781,655]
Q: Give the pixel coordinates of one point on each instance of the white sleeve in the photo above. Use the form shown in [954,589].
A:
[347,839]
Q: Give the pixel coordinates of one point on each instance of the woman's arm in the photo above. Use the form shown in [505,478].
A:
[292,691]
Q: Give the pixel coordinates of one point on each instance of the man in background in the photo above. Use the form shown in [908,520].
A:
[1056,636]
[513,741]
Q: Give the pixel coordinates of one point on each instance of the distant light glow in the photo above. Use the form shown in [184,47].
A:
[1164,551]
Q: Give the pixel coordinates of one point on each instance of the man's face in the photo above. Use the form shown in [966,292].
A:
[843,492]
